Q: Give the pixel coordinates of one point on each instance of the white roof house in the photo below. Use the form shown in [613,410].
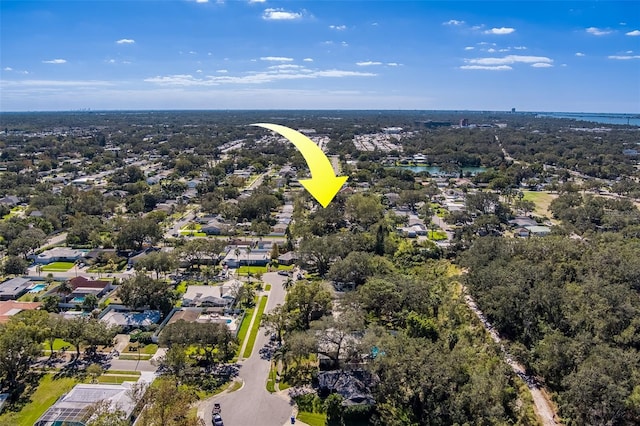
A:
[75,407]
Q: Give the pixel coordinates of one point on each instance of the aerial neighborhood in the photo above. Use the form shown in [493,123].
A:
[156,264]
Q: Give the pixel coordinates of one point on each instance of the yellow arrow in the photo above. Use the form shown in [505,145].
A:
[324,184]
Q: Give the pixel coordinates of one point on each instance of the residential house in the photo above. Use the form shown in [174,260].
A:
[208,296]
[58,254]
[127,320]
[538,231]
[14,288]
[257,257]
[288,258]
[75,407]
[10,307]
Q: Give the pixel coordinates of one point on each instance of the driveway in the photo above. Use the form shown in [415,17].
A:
[252,405]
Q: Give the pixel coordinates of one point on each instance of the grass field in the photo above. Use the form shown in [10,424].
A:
[244,328]
[261,269]
[437,235]
[57,345]
[48,391]
[542,201]
[312,419]
[267,287]
[256,326]
[116,380]
[58,267]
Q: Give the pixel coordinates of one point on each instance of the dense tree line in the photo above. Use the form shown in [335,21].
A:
[573,308]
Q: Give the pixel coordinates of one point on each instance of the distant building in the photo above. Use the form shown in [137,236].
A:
[429,124]
[392,130]
[464,122]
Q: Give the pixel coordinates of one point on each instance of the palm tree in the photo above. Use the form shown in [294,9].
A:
[65,288]
[237,253]
[287,284]
[248,249]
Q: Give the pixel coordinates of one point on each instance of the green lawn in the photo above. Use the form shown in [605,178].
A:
[244,327]
[267,287]
[48,391]
[57,345]
[261,269]
[116,380]
[124,372]
[187,233]
[312,419]
[58,267]
[541,200]
[254,330]
[437,235]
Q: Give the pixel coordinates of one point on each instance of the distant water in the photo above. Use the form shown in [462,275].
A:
[434,170]
[630,119]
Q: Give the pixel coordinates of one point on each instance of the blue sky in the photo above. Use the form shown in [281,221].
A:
[243,54]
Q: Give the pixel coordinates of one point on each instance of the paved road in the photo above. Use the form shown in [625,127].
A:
[175,229]
[252,405]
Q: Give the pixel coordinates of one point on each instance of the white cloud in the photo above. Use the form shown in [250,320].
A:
[344,44]
[286,67]
[58,83]
[199,71]
[368,63]
[486,43]
[202,1]
[491,50]
[7,69]
[469,48]
[510,59]
[504,50]
[597,31]
[253,78]
[393,64]
[193,52]
[222,71]
[541,65]
[111,61]
[624,57]
[500,31]
[126,41]
[454,22]
[276,59]
[280,15]
[485,67]
[520,48]
[307,60]
[55,61]
[257,1]
[477,27]
[633,33]
[338,27]
[580,54]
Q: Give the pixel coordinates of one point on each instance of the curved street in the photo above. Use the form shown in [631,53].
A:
[252,404]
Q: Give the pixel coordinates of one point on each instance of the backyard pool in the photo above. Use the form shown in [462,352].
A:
[77,299]
[37,288]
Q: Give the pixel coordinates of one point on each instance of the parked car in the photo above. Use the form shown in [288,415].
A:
[217,420]
[283,273]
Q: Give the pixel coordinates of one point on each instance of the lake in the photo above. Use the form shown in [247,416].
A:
[435,170]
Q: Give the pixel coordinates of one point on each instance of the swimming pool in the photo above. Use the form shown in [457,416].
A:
[37,288]
[77,299]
